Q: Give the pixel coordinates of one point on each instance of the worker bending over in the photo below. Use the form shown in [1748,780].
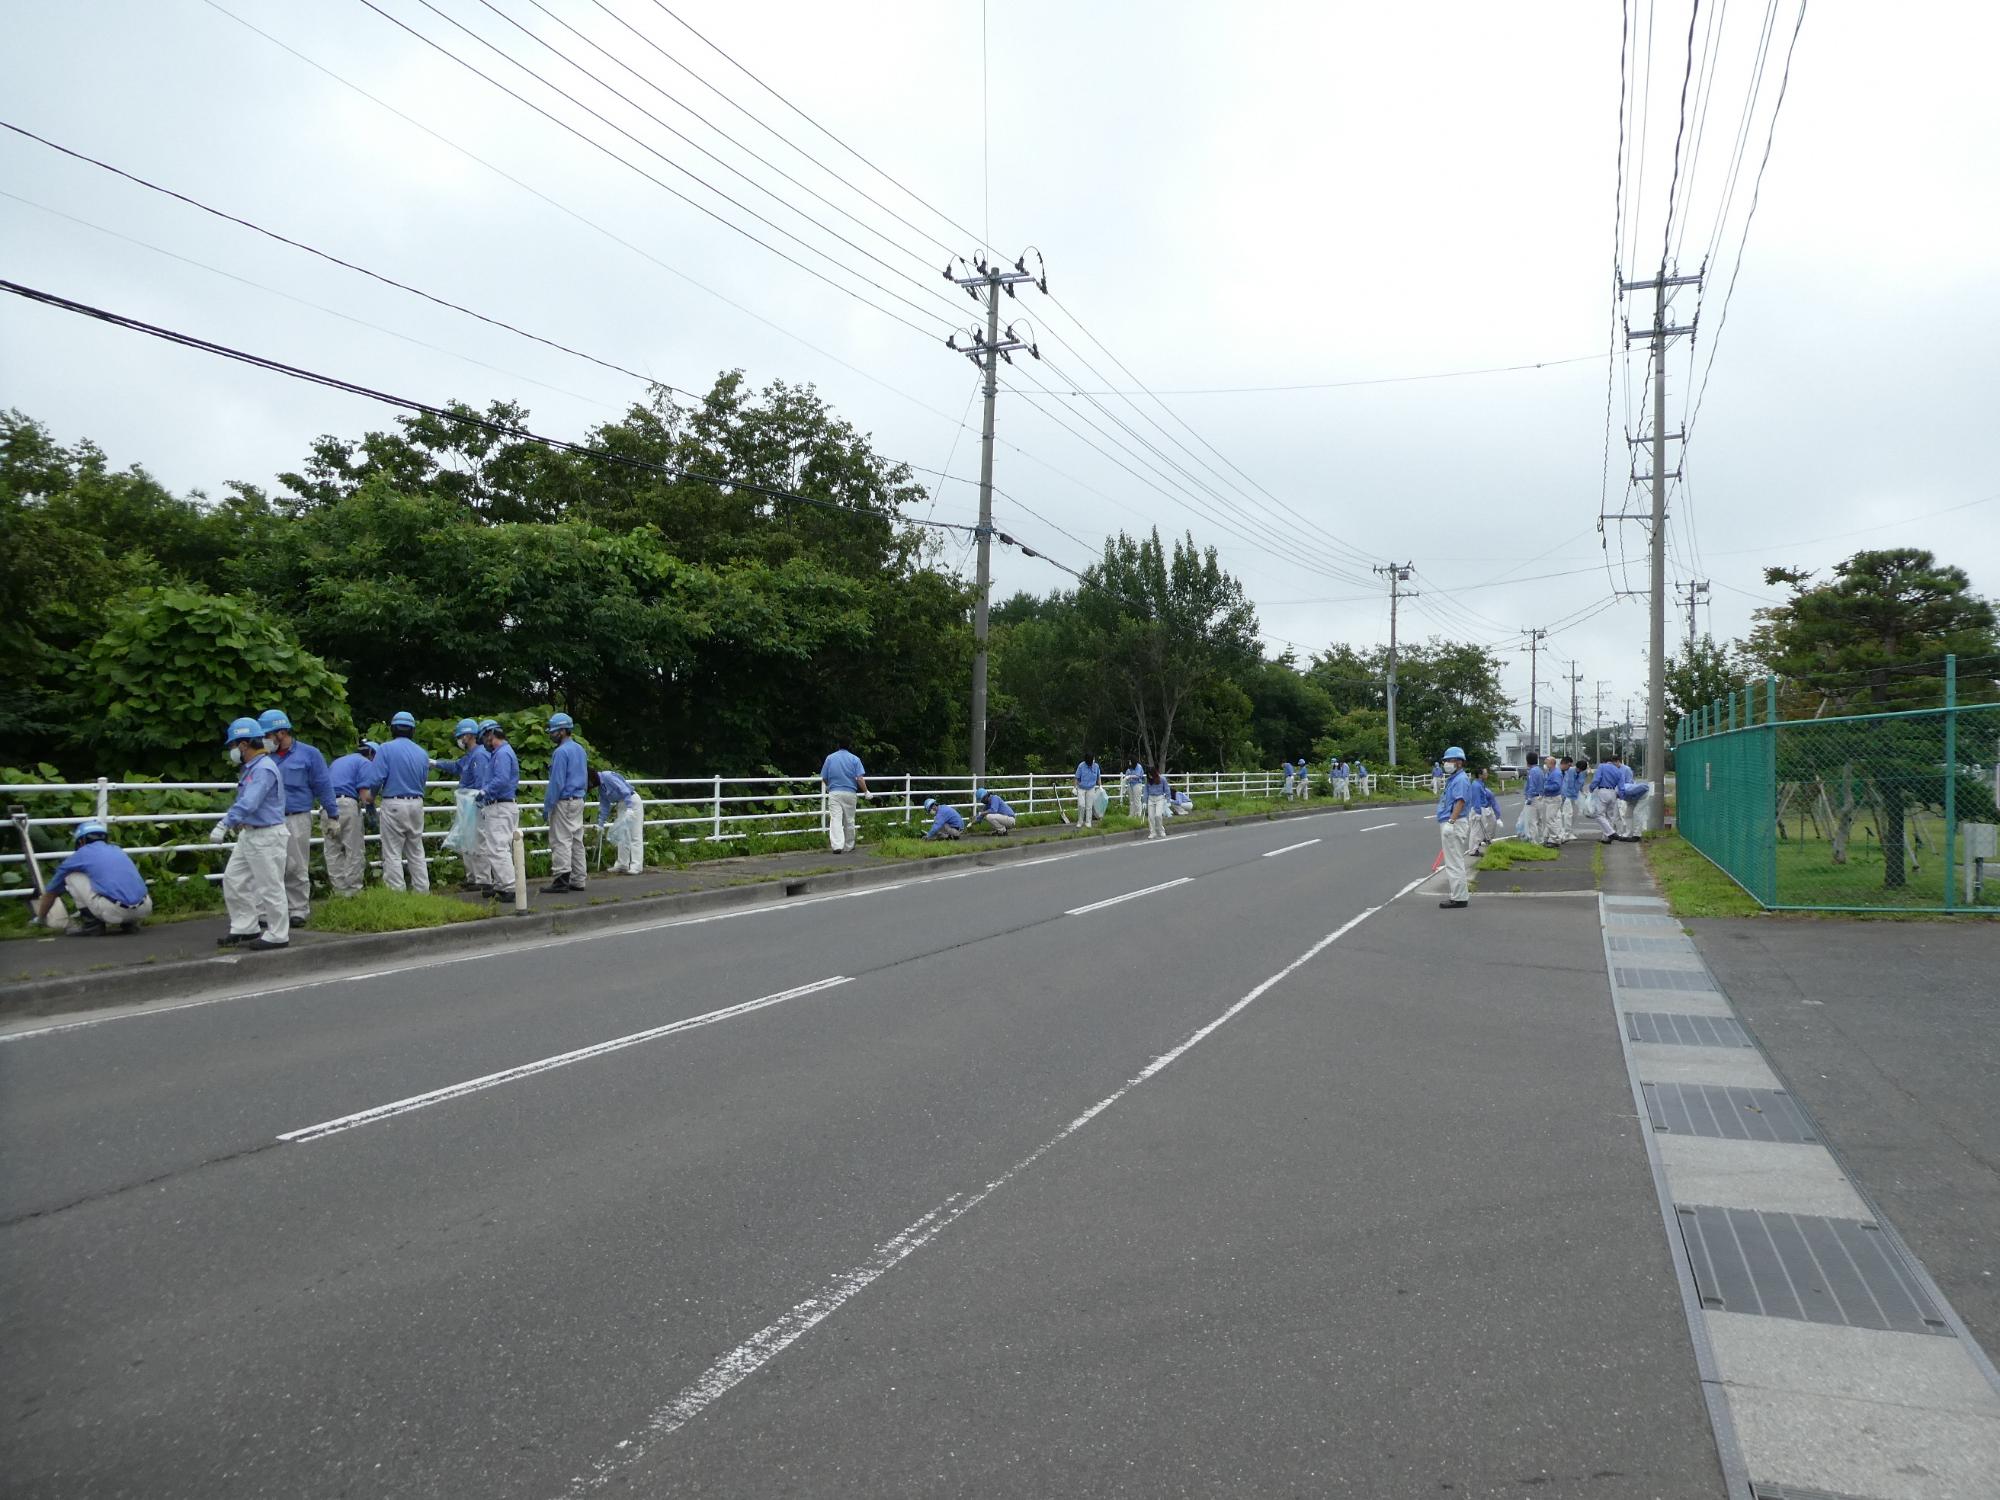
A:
[628,824]
[945,823]
[107,889]
[355,777]
[1632,810]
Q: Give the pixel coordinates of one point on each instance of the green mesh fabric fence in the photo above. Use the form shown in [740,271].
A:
[1875,812]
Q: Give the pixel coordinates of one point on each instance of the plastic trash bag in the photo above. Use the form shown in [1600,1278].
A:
[1521,823]
[464,824]
[1100,802]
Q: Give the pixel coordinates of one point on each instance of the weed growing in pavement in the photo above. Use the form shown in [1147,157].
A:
[379,909]
[1511,852]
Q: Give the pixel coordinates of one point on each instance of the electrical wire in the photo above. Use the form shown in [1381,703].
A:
[1680,130]
[1330,385]
[469,419]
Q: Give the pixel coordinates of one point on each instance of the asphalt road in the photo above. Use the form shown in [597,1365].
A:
[1182,1195]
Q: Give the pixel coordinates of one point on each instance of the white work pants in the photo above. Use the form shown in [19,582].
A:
[1489,826]
[497,822]
[1305,788]
[1086,806]
[1000,822]
[840,808]
[1342,791]
[1567,819]
[566,852]
[1551,819]
[298,864]
[1453,836]
[1632,816]
[346,862]
[1606,800]
[628,836]
[1135,797]
[1156,817]
[84,895]
[403,863]
[253,884]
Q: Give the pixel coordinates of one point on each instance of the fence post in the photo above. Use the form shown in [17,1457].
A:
[906,796]
[103,798]
[1732,708]
[718,807]
[1950,780]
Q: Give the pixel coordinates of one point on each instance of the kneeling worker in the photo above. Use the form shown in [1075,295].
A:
[945,823]
[109,892]
[993,811]
[628,824]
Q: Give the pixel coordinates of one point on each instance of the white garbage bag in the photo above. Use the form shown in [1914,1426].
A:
[464,833]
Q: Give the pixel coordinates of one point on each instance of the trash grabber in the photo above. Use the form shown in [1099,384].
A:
[18,816]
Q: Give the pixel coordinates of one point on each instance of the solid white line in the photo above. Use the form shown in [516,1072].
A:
[750,1356]
[1165,885]
[1373,826]
[1274,853]
[546,1064]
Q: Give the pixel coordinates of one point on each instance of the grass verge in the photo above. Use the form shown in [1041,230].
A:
[378,909]
[1694,887]
[1512,852]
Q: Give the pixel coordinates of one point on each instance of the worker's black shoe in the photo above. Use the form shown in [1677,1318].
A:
[235,939]
[557,886]
[1449,905]
[304,921]
[474,885]
[83,924]
[265,945]
[506,898]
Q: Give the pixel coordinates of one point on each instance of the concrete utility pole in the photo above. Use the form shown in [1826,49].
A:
[1575,676]
[1696,589]
[986,350]
[1656,689]
[1534,724]
[1399,574]
[1597,729]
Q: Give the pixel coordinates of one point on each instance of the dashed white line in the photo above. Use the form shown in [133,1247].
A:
[757,1351]
[1165,885]
[1373,826]
[1274,853]
[544,1065]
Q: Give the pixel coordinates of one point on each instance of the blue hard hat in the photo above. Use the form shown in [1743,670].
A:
[371,746]
[242,729]
[273,718]
[487,724]
[930,804]
[91,830]
[465,726]
[403,721]
[981,795]
[560,721]
[1455,753]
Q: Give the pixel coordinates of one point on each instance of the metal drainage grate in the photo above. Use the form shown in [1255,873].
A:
[1637,943]
[1795,1492]
[1663,979]
[1637,920]
[1723,1113]
[1803,1267]
[1677,1030]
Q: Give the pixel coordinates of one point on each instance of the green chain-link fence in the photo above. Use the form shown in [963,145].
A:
[1870,812]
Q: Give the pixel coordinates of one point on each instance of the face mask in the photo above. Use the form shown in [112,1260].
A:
[236,755]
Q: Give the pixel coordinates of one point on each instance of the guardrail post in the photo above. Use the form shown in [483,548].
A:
[1950,779]
[906,796]
[718,807]
[103,797]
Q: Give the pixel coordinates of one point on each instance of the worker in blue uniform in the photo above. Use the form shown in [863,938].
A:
[1454,816]
[100,879]
[562,808]
[253,882]
[406,768]
[307,781]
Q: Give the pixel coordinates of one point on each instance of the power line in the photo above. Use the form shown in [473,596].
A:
[1330,385]
[1680,129]
[408,403]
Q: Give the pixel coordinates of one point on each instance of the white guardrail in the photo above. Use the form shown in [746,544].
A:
[707,809]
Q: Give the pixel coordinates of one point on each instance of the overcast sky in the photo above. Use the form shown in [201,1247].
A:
[1227,195]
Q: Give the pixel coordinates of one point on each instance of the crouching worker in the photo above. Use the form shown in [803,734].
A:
[628,822]
[945,821]
[993,811]
[100,879]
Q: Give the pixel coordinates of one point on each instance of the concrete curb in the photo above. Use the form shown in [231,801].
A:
[140,983]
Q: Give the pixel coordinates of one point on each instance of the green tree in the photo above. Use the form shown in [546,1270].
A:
[1699,677]
[1873,638]
[174,665]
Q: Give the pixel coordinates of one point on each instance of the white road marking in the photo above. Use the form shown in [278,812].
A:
[546,1064]
[1373,826]
[1165,885]
[757,1351]
[1274,853]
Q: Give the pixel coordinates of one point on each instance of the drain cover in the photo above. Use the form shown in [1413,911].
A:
[1794,1492]
[1622,943]
[1726,1113]
[1684,1031]
[1803,1267]
[1663,979]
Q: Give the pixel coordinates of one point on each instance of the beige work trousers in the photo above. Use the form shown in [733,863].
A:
[346,851]
[1454,836]
[253,884]
[497,822]
[566,852]
[298,864]
[840,807]
[107,911]
[403,862]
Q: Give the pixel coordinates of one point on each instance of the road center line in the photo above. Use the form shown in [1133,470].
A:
[1274,853]
[546,1064]
[1373,826]
[757,1351]
[1165,885]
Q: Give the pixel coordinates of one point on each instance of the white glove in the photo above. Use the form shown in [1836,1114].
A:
[218,833]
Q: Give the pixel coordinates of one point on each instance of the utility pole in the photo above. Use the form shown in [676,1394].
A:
[1574,676]
[1625,733]
[1695,589]
[1597,728]
[1661,334]
[986,350]
[1534,724]
[1399,574]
